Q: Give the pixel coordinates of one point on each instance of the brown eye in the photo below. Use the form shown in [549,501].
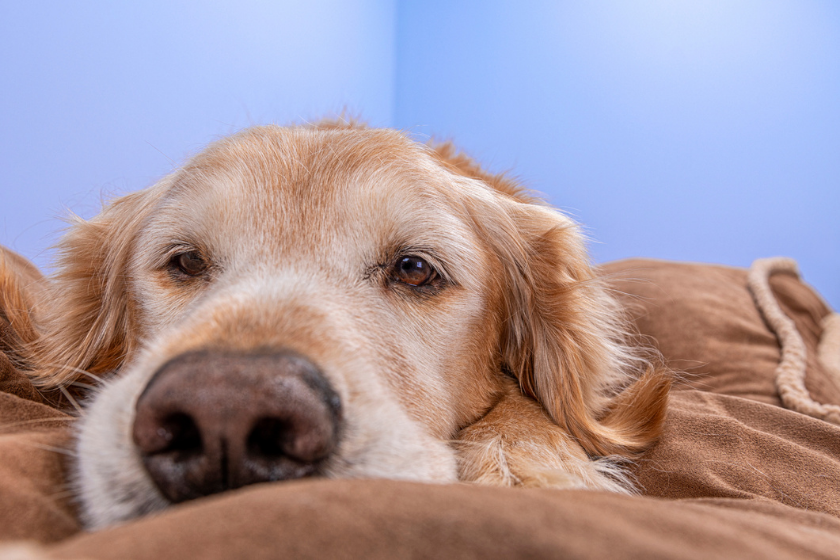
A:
[190,263]
[414,271]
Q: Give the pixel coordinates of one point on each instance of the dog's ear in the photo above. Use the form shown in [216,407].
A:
[20,284]
[563,336]
[85,315]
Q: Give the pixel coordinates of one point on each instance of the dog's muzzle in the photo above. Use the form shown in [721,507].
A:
[210,421]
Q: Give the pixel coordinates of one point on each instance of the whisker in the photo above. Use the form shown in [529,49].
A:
[52,449]
[84,385]
[72,401]
[31,422]
[62,495]
[81,371]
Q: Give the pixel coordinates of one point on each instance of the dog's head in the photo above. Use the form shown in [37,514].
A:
[328,300]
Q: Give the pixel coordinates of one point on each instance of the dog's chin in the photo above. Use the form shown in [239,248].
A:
[113,485]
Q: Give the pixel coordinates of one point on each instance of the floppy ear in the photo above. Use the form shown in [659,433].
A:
[20,283]
[563,335]
[85,314]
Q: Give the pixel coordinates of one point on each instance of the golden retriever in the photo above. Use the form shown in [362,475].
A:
[337,301]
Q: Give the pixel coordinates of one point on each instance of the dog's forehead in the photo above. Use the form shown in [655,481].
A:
[309,186]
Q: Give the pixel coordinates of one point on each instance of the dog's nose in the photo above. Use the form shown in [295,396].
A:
[210,421]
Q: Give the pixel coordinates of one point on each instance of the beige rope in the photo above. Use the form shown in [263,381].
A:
[829,348]
[790,373]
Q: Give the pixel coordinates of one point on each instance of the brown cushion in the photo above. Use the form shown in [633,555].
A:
[734,475]
[35,442]
[393,520]
[703,320]
[745,480]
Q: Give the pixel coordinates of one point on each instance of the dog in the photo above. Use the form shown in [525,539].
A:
[337,301]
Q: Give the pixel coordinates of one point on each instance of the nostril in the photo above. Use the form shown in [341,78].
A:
[177,432]
[297,439]
[180,433]
[269,438]
[173,453]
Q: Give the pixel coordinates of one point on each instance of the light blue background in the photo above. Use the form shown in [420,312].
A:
[697,130]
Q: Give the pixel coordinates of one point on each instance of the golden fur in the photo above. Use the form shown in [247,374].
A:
[20,285]
[516,371]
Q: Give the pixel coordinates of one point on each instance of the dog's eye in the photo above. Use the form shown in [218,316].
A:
[190,263]
[414,271]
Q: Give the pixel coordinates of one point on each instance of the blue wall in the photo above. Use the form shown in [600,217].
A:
[695,130]
[101,97]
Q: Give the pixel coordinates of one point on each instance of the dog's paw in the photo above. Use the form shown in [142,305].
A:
[517,444]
